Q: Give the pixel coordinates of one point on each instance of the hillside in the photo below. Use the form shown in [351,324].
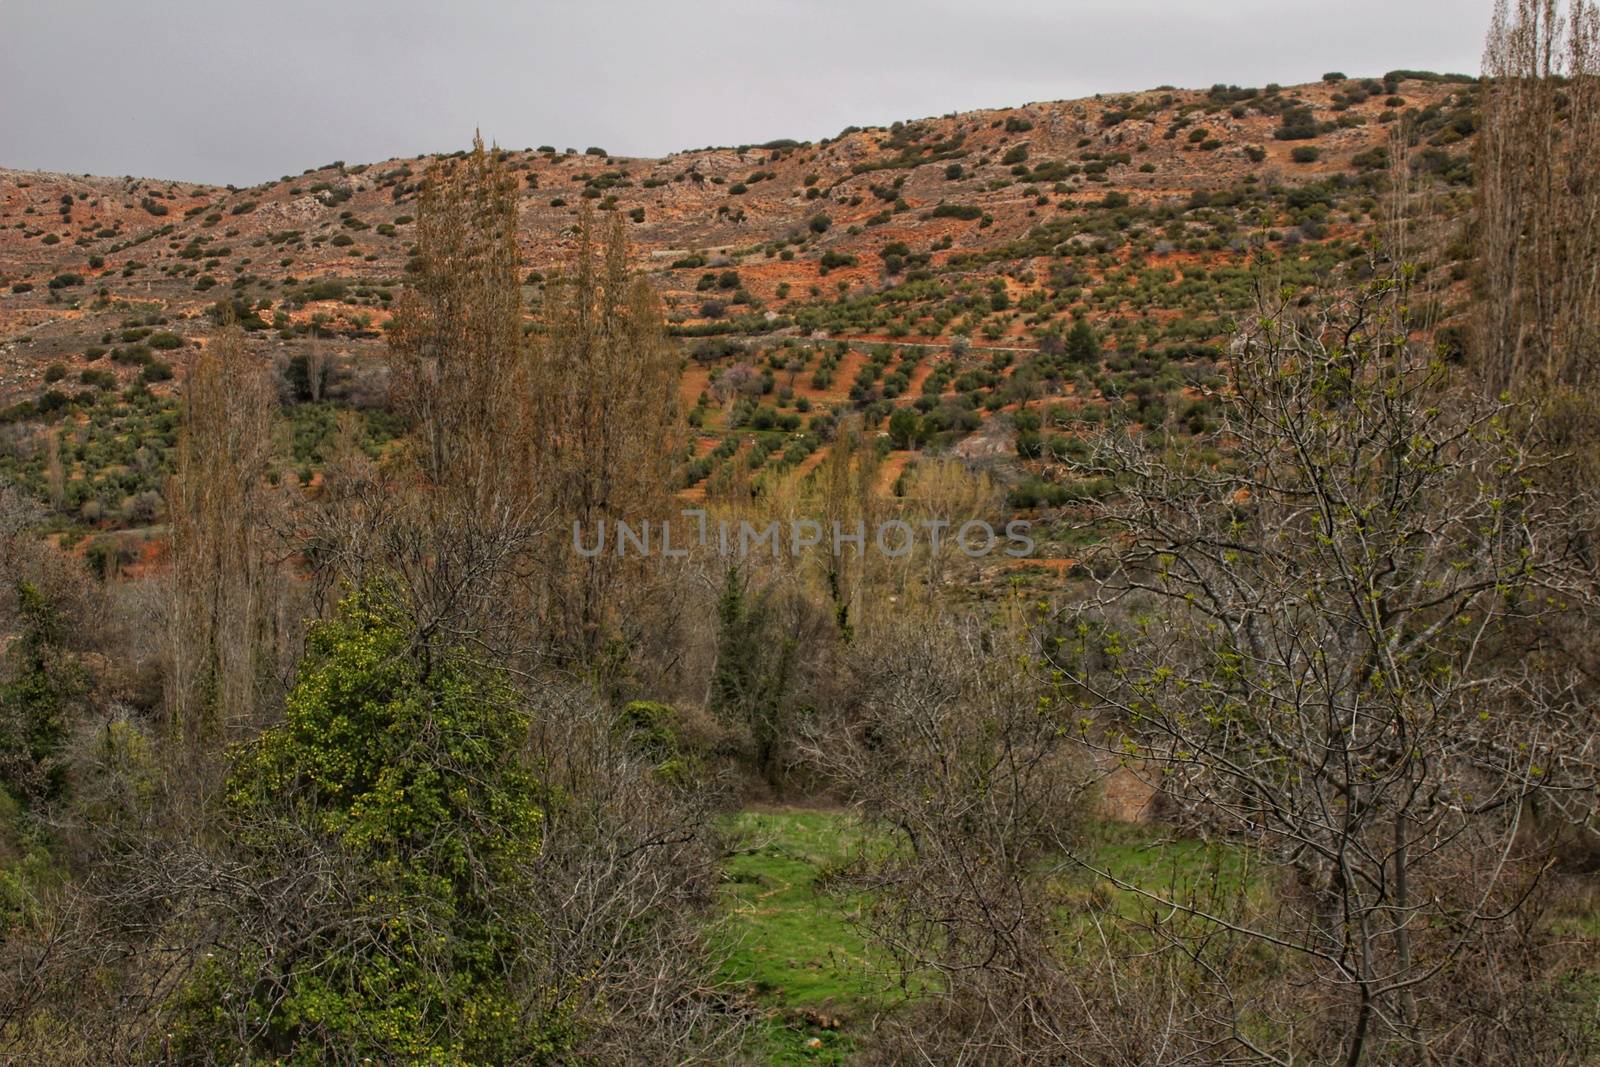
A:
[1101,581]
[991,233]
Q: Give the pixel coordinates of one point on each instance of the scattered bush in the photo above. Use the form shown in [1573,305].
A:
[966,212]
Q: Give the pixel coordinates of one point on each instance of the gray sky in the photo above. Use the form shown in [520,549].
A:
[228,91]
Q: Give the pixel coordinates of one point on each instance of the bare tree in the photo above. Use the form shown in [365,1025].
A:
[222,614]
[607,439]
[1322,644]
[845,502]
[625,883]
[456,520]
[459,363]
[957,753]
[942,495]
[1537,201]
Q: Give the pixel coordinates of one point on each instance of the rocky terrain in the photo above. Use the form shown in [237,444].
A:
[1088,252]
[178,246]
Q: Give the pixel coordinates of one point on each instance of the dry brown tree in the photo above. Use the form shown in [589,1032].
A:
[1537,198]
[626,884]
[527,437]
[456,338]
[844,501]
[943,494]
[456,517]
[223,619]
[607,439]
[1537,222]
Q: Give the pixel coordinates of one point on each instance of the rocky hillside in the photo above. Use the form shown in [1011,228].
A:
[1089,249]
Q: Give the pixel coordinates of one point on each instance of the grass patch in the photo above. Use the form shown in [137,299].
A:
[1180,869]
[790,942]
[791,945]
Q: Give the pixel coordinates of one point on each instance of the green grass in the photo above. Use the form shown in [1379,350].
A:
[1179,869]
[791,946]
[790,942]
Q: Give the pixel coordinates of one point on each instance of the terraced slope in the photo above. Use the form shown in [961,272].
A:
[1063,257]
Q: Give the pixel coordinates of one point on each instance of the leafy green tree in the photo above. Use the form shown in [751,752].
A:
[393,804]
[1030,442]
[1083,345]
[754,664]
[905,428]
[35,701]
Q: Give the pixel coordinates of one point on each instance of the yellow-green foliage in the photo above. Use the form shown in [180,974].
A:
[25,866]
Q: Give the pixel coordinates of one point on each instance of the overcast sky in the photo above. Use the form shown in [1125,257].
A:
[234,91]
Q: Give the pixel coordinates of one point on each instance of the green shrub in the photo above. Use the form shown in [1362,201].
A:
[966,212]
[405,767]
[650,729]
[1298,124]
[42,682]
[1083,345]
[905,428]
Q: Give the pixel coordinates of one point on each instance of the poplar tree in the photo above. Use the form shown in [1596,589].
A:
[607,436]
[456,347]
[1537,201]
[221,629]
